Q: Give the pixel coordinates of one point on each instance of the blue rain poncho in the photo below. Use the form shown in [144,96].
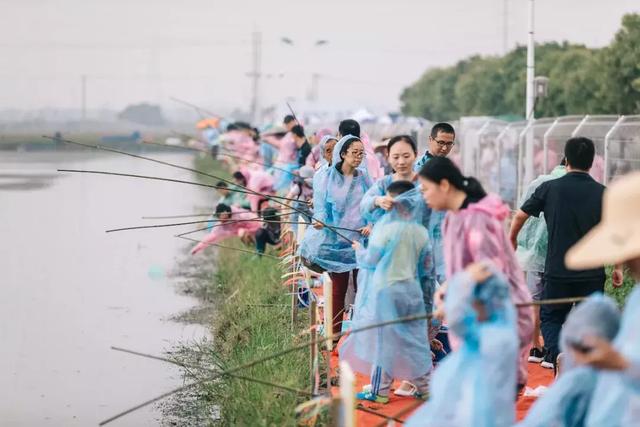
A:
[566,402]
[617,394]
[431,219]
[336,202]
[373,214]
[475,386]
[391,268]
[435,219]
[321,146]
[533,238]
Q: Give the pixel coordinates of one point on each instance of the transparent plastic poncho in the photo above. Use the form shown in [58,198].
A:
[475,385]
[533,237]
[336,202]
[391,269]
[477,233]
[566,402]
[618,392]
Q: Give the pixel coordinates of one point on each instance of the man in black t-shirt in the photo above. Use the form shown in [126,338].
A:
[572,206]
[304,148]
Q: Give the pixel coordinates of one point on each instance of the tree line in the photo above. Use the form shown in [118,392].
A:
[582,80]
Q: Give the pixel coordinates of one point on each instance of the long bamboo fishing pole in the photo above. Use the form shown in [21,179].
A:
[213,371]
[177,181]
[177,224]
[230,248]
[200,110]
[200,150]
[195,215]
[162,162]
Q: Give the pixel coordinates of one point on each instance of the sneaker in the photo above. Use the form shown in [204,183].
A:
[548,362]
[536,355]
[367,395]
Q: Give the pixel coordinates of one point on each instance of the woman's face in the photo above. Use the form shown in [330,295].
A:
[354,155]
[328,150]
[435,195]
[402,158]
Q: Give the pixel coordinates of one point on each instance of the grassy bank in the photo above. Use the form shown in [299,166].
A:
[251,319]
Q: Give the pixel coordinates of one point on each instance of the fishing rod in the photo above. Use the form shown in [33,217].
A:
[297,121]
[178,181]
[213,371]
[196,215]
[317,341]
[176,224]
[200,150]
[229,247]
[162,162]
[281,222]
[200,110]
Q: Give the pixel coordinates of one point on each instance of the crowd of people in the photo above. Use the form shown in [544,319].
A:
[413,237]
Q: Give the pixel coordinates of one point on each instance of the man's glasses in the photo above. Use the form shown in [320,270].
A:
[444,144]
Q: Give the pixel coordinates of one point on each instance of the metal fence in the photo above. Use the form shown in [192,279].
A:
[506,156]
[496,152]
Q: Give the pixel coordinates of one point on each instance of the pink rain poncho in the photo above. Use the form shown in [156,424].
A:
[223,231]
[262,182]
[371,160]
[287,161]
[242,145]
[477,234]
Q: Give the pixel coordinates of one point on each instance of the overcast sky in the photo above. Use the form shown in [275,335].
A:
[201,50]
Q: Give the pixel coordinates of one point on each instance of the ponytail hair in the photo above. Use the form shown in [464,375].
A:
[441,168]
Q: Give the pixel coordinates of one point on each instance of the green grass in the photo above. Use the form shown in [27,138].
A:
[622,293]
[243,332]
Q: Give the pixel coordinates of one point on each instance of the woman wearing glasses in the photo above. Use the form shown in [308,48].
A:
[336,199]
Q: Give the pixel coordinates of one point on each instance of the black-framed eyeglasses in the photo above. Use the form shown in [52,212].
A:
[444,144]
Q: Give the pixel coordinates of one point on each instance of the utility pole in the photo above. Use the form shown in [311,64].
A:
[530,95]
[313,91]
[255,75]
[505,27]
[84,96]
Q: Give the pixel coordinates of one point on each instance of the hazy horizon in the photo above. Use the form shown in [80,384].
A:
[147,51]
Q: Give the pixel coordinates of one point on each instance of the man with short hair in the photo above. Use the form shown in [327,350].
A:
[348,127]
[289,122]
[572,206]
[304,148]
[440,142]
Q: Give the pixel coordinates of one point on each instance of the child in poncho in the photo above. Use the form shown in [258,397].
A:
[397,258]
[474,385]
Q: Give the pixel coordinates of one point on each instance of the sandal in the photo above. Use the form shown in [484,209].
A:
[406,389]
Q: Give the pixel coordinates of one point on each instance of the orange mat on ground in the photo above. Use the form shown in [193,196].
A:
[402,407]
